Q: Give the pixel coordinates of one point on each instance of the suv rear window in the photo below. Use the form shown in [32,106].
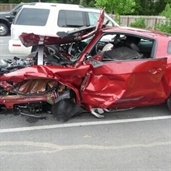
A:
[32,17]
[69,18]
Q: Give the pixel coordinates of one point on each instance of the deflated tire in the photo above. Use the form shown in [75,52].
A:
[65,109]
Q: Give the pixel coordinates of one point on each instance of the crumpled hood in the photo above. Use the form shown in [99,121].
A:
[31,39]
[61,73]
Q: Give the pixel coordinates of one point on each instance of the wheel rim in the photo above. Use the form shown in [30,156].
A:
[2,30]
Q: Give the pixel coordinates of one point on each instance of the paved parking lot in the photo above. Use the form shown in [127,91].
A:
[4,52]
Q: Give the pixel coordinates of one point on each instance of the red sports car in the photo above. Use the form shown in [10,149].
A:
[95,69]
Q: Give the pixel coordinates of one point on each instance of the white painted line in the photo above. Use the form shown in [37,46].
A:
[67,125]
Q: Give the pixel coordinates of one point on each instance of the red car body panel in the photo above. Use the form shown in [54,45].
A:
[11,100]
[138,83]
[127,84]
[69,76]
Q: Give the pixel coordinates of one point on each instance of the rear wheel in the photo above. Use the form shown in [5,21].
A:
[169,103]
[4,30]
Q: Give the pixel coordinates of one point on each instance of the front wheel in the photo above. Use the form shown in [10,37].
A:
[4,30]
[65,109]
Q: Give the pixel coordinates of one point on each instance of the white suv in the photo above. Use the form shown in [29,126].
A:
[48,18]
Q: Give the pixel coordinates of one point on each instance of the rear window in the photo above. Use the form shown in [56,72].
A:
[32,17]
[69,18]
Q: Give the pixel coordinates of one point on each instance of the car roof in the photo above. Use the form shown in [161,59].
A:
[60,5]
[138,31]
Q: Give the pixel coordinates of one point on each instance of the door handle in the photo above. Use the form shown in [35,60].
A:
[155,70]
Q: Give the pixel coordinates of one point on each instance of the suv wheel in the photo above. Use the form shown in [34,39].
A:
[3,29]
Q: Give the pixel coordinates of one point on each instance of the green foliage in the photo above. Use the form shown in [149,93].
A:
[117,6]
[3,1]
[167,11]
[135,7]
[149,7]
[88,3]
[165,26]
[139,23]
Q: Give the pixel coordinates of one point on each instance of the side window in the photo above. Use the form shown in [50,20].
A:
[93,18]
[169,47]
[121,46]
[32,17]
[146,47]
[69,18]
[110,23]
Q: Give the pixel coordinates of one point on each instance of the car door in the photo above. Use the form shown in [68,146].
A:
[125,83]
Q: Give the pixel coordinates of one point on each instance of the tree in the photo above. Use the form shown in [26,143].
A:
[167,11]
[117,6]
[166,26]
[150,7]
[88,3]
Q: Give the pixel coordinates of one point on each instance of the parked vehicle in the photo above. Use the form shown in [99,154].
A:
[7,17]
[131,70]
[47,19]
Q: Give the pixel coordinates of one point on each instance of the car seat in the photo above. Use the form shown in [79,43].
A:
[132,43]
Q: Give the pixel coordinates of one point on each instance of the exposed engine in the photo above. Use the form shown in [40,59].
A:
[31,96]
[62,54]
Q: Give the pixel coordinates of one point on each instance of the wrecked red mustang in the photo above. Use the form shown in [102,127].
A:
[95,69]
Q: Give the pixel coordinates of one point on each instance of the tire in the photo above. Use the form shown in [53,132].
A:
[169,103]
[65,109]
[4,30]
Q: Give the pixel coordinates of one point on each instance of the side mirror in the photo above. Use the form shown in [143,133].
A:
[14,13]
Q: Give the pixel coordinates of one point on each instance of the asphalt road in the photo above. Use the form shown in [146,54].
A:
[133,140]
[4,52]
